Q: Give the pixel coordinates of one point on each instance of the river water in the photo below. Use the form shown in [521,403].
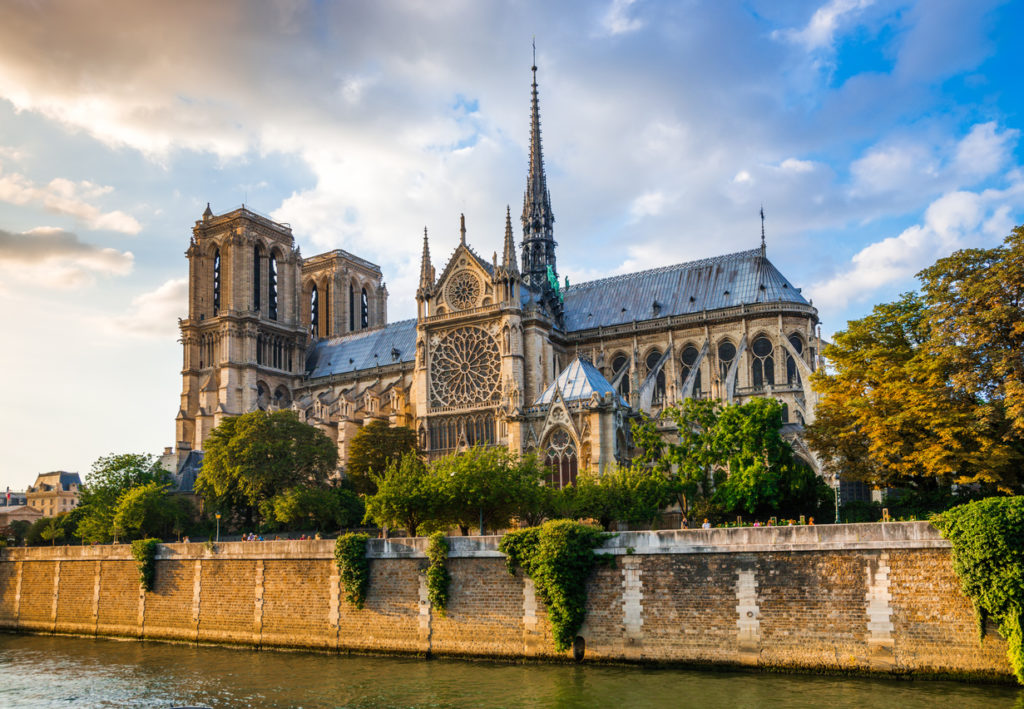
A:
[44,671]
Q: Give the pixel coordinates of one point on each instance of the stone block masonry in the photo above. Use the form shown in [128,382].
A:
[866,598]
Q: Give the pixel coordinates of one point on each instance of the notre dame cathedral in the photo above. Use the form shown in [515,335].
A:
[501,352]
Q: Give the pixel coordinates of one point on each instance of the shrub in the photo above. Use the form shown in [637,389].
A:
[558,556]
[438,576]
[144,552]
[353,566]
[988,556]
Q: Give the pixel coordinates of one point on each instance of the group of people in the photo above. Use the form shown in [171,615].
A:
[684,524]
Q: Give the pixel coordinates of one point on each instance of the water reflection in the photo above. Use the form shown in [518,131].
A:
[40,671]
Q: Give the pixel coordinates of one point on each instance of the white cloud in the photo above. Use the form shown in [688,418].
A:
[155,313]
[62,196]
[820,31]
[985,150]
[58,259]
[617,20]
[794,165]
[742,177]
[649,204]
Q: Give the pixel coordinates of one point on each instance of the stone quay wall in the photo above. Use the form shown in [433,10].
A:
[850,598]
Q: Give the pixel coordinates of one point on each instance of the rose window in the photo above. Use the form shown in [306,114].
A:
[463,290]
[464,368]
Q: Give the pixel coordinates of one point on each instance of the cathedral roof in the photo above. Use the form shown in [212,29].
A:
[578,382]
[725,281]
[391,344]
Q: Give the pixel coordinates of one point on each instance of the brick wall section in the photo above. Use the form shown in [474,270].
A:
[169,606]
[933,626]
[77,586]
[485,609]
[873,598]
[226,601]
[296,604]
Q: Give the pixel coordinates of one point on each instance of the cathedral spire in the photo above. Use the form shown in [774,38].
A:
[538,220]
[508,257]
[462,229]
[426,269]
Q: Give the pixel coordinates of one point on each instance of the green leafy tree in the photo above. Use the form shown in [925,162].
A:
[324,509]
[52,531]
[149,511]
[372,449]
[250,459]
[111,477]
[698,451]
[926,391]
[19,530]
[407,495]
[633,494]
[534,501]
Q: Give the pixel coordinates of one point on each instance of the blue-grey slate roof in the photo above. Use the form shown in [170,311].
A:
[391,344]
[578,382]
[725,281]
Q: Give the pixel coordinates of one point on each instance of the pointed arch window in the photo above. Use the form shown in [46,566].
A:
[726,354]
[272,286]
[561,458]
[351,308]
[314,312]
[689,361]
[256,258]
[364,311]
[216,281]
[618,364]
[792,372]
[762,363]
[659,385]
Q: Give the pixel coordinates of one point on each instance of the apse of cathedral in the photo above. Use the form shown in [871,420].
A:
[501,352]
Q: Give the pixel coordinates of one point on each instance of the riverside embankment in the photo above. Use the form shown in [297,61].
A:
[867,598]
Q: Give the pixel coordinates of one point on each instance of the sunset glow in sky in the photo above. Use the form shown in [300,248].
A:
[879,135]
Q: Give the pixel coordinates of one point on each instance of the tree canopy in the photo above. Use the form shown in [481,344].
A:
[111,476]
[927,390]
[250,459]
[372,449]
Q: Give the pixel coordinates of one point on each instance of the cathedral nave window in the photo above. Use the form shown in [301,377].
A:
[351,308]
[364,311]
[216,281]
[726,354]
[272,283]
[256,256]
[618,364]
[561,459]
[689,359]
[659,386]
[314,312]
[762,364]
[792,373]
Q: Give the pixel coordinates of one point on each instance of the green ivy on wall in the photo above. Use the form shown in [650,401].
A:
[144,553]
[438,576]
[988,556]
[558,556]
[353,566]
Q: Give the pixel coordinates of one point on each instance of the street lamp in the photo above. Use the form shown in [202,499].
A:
[218,526]
[835,479]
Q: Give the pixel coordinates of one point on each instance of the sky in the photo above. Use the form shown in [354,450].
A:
[878,135]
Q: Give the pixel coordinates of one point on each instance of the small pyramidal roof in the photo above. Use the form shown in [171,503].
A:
[578,382]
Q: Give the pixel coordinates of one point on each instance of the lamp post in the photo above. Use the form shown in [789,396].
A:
[835,479]
[218,526]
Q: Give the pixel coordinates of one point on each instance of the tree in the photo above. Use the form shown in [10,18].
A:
[19,530]
[112,476]
[373,447]
[250,459]
[332,508]
[926,391]
[634,494]
[52,531]
[149,511]
[698,451]
[406,495]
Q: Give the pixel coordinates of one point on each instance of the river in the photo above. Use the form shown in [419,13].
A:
[45,671]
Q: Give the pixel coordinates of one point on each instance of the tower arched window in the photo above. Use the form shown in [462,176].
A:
[256,258]
[618,364]
[272,286]
[726,354]
[792,372]
[364,311]
[314,312]
[561,458]
[659,385]
[762,363]
[351,308]
[689,361]
[216,281]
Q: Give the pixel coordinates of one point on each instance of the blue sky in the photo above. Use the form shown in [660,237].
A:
[878,135]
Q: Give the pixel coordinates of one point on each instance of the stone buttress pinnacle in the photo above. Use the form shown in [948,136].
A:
[508,257]
[426,270]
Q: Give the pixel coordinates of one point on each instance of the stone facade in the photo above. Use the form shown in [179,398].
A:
[501,352]
[54,493]
[862,598]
